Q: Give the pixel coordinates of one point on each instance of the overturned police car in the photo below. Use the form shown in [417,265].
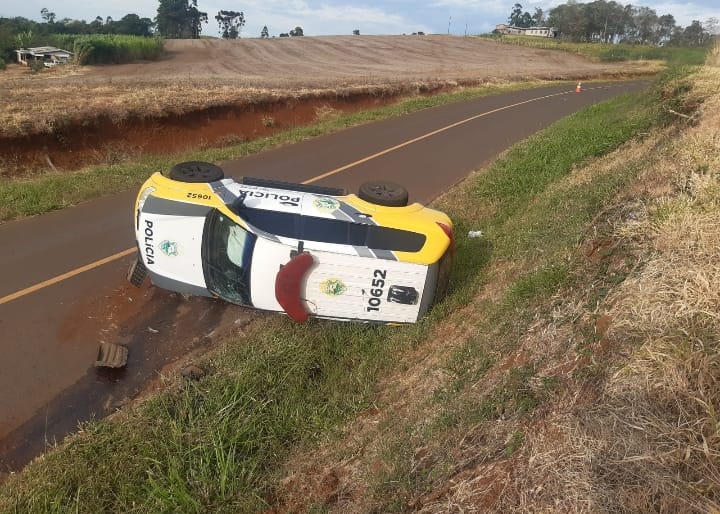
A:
[300,249]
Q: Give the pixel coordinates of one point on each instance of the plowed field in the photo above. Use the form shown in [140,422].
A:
[70,115]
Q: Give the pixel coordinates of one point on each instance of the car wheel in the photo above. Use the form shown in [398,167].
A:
[196,172]
[383,193]
[137,272]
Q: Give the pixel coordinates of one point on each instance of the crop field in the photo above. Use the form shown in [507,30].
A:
[200,74]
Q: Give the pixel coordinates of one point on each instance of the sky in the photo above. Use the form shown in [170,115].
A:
[331,17]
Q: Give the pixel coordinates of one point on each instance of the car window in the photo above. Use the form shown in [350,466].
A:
[326,230]
[227,254]
[237,241]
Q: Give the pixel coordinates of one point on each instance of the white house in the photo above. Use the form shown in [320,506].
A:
[49,55]
[529,31]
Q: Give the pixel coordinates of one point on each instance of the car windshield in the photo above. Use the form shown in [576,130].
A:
[227,253]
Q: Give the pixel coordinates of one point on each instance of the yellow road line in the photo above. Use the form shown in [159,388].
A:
[124,253]
[425,136]
[66,276]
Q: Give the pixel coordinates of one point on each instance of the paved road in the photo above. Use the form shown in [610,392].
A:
[62,275]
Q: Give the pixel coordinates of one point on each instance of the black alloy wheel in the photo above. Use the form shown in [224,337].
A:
[384,193]
[196,172]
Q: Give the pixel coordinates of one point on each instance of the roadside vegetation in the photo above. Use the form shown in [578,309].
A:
[111,48]
[573,365]
[609,52]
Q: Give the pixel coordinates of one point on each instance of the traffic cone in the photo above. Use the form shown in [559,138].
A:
[578,89]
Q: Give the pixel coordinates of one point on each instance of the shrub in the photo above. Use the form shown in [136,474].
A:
[110,48]
[2,63]
[36,65]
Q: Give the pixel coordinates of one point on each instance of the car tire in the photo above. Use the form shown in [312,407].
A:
[196,172]
[383,193]
[137,272]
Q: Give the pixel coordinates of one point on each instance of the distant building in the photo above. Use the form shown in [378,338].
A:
[49,55]
[529,31]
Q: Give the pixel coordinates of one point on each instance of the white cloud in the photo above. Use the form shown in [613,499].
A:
[324,19]
[343,16]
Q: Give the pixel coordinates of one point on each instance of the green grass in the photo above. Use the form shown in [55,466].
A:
[110,48]
[29,197]
[606,52]
[211,445]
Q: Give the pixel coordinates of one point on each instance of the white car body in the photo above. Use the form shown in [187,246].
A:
[342,281]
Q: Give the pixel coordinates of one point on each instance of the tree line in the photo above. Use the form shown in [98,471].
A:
[610,22]
[175,19]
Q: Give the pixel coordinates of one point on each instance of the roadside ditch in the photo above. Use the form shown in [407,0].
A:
[105,140]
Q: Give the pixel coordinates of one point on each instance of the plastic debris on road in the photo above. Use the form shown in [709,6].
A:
[111,355]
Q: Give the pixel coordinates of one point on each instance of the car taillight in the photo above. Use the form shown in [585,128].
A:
[448,232]
[141,202]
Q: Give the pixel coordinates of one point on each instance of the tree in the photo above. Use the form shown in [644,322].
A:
[180,19]
[603,19]
[356,32]
[666,26]
[646,25]
[297,31]
[172,19]
[712,25]
[96,26]
[264,33]
[133,25]
[695,35]
[538,18]
[570,20]
[197,18]
[48,16]
[518,18]
[230,23]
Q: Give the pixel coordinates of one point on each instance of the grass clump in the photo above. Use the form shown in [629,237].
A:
[112,48]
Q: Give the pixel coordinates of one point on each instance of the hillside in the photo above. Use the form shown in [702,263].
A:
[336,61]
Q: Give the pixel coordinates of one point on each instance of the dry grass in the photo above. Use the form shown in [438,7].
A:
[631,424]
[644,436]
[120,102]
[650,442]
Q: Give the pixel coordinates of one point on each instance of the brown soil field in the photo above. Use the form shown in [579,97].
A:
[67,117]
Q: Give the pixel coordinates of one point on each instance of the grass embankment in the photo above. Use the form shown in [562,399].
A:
[52,191]
[606,52]
[466,395]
